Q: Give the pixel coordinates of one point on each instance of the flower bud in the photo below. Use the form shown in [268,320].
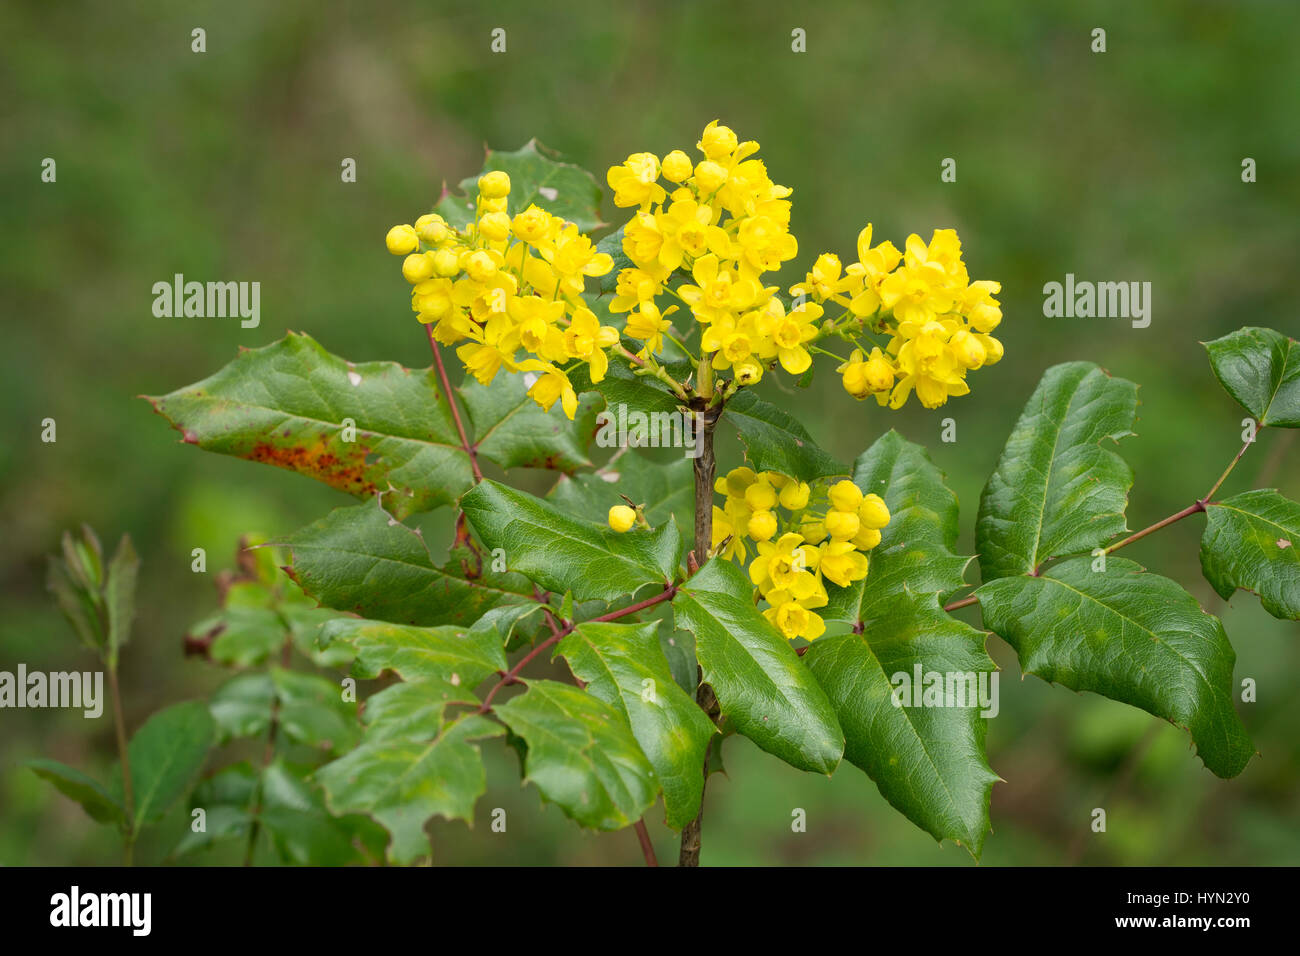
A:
[676,166]
[495,227]
[446,263]
[842,525]
[760,496]
[494,185]
[417,267]
[795,496]
[845,496]
[762,525]
[866,539]
[873,512]
[709,177]
[402,240]
[621,517]
[967,349]
[432,228]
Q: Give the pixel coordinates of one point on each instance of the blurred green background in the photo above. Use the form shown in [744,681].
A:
[225,165]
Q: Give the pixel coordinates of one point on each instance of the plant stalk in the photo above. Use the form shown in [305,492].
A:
[124,756]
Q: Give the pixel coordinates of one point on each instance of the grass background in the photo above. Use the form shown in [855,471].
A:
[1123,165]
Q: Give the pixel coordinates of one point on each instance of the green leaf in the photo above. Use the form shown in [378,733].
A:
[928,761]
[563,553]
[759,680]
[512,430]
[119,595]
[612,245]
[1131,636]
[776,441]
[458,655]
[1056,490]
[537,175]
[286,405]
[665,490]
[359,559]
[413,709]
[624,666]
[76,604]
[916,550]
[1252,541]
[166,755]
[241,707]
[313,711]
[1260,368]
[243,635]
[622,386]
[401,782]
[85,790]
[581,755]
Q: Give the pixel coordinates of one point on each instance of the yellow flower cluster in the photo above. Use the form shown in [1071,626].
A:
[798,551]
[725,223]
[507,286]
[938,320]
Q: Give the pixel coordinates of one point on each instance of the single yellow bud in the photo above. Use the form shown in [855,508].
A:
[446,262]
[873,512]
[717,141]
[495,227]
[748,372]
[676,166]
[795,495]
[845,496]
[813,531]
[762,525]
[842,525]
[402,240]
[709,177]
[494,185]
[967,349]
[992,349]
[432,228]
[417,267]
[879,374]
[621,517]
[866,539]
[760,496]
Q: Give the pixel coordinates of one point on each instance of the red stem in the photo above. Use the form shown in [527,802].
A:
[647,848]
[455,409]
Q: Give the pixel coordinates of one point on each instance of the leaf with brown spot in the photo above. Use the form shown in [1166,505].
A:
[287,405]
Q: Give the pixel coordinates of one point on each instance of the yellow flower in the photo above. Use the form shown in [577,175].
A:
[633,287]
[786,564]
[534,225]
[717,142]
[794,496]
[585,338]
[719,290]
[635,183]
[535,319]
[841,563]
[622,518]
[433,229]
[417,267]
[552,384]
[688,230]
[842,525]
[402,240]
[649,325]
[494,347]
[723,527]
[494,227]
[790,332]
[794,617]
[762,525]
[574,256]
[826,279]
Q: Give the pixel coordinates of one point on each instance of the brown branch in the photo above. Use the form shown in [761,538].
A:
[967,601]
[647,848]
[512,675]
[469,447]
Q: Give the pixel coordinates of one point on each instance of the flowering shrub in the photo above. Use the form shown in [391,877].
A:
[781,600]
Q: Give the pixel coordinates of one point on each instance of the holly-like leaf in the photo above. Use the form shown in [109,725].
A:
[401,782]
[537,176]
[566,554]
[1260,368]
[665,490]
[360,559]
[1128,635]
[413,709]
[288,404]
[761,684]
[1056,489]
[916,550]
[776,441]
[624,390]
[924,749]
[515,432]
[1252,541]
[101,806]
[166,755]
[454,654]
[624,666]
[581,755]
